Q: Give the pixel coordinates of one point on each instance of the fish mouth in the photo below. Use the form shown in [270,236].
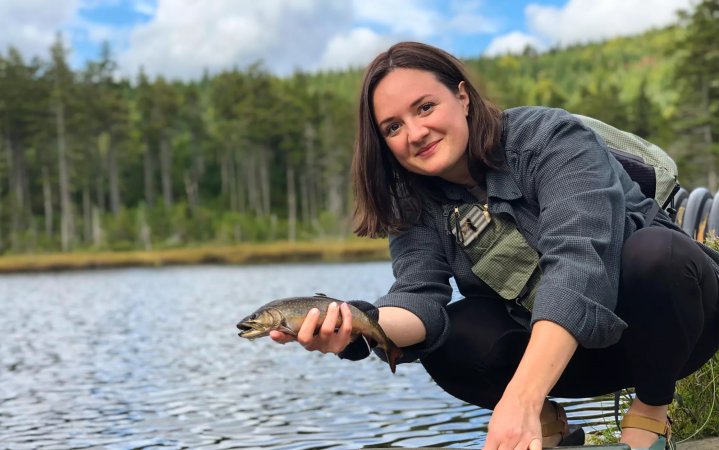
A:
[251,329]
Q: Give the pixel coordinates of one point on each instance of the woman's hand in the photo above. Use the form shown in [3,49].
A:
[514,425]
[515,422]
[327,340]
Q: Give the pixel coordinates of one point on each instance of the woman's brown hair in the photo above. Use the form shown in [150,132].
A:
[388,197]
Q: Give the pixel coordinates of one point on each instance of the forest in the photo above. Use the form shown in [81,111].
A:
[93,161]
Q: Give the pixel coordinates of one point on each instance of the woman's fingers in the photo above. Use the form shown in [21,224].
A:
[328,338]
[281,337]
[333,339]
[328,326]
[306,335]
[346,327]
[536,444]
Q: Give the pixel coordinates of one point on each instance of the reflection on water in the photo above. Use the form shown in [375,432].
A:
[149,358]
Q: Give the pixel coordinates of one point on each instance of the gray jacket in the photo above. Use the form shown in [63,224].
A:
[570,199]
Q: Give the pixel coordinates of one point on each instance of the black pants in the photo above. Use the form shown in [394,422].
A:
[668,296]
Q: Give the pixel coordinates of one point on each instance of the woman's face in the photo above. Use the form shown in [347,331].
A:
[424,123]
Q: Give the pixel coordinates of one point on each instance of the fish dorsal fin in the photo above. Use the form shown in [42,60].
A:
[320,294]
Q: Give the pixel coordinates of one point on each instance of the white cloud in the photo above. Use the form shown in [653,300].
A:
[398,17]
[185,36]
[591,20]
[31,25]
[514,42]
[471,23]
[419,19]
[182,38]
[467,18]
[145,7]
[353,49]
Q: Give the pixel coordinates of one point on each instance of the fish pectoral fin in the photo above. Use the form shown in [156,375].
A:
[366,341]
[369,342]
[287,330]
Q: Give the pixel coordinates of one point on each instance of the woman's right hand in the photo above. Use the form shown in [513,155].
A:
[327,340]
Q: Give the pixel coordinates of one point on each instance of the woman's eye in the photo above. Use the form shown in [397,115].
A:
[392,129]
[427,107]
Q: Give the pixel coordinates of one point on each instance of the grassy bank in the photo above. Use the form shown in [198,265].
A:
[695,410]
[354,250]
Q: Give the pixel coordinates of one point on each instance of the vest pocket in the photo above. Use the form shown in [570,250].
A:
[502,258]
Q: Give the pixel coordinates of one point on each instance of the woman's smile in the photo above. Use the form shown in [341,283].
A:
[428,150]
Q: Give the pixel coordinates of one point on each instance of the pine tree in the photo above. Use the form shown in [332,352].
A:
[698,77]
[62,80]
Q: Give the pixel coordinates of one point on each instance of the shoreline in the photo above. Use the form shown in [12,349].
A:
[255,253]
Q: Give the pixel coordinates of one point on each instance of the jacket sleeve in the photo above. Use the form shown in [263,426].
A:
[421,284]
[581,228]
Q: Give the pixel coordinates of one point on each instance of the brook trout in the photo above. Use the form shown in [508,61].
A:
[287,315]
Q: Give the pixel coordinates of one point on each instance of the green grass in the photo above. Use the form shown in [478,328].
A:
[351,250]
[695,414]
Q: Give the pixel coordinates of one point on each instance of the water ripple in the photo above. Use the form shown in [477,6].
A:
[149,359]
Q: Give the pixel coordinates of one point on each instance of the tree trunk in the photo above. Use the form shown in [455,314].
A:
[115,200]
[145,233]
[67,223]
[305,198]
[291,204]
[191,191]
[149,175]
[309,202]
[253,190]
[311,185]
[198,169]
[47,200]
[264,181]
[335,192]
[100,188]
[15,198]
[232,181]
[86,212]
[707,132]
[224,173]
[22,187]
[166,171]
[19,193]
[97,234]
[242,171]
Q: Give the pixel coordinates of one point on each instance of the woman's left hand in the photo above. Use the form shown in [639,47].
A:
[514,426]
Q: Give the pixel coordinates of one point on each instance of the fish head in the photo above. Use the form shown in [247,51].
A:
[260,323]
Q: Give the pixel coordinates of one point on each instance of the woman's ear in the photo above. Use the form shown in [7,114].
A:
[463,97]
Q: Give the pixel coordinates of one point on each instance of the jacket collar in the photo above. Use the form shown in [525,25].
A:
[500,186]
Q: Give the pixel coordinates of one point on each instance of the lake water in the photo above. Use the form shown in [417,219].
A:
[150,359]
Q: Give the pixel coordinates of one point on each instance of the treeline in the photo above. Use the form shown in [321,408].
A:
[90,161]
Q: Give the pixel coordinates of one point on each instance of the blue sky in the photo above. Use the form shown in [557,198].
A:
[183,38]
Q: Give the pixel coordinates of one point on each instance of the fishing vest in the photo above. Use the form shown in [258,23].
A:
[503,259]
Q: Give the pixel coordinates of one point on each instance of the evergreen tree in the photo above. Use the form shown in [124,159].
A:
[697,73]
[62,81]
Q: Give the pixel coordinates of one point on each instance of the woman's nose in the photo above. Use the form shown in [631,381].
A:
[416,131]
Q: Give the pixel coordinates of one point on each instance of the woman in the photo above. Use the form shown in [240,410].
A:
[615,302]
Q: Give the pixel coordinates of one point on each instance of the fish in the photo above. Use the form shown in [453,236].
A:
[287,314]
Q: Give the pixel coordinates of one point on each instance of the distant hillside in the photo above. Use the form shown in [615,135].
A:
[92,162]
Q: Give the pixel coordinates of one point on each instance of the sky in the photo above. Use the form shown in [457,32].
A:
[181,39]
